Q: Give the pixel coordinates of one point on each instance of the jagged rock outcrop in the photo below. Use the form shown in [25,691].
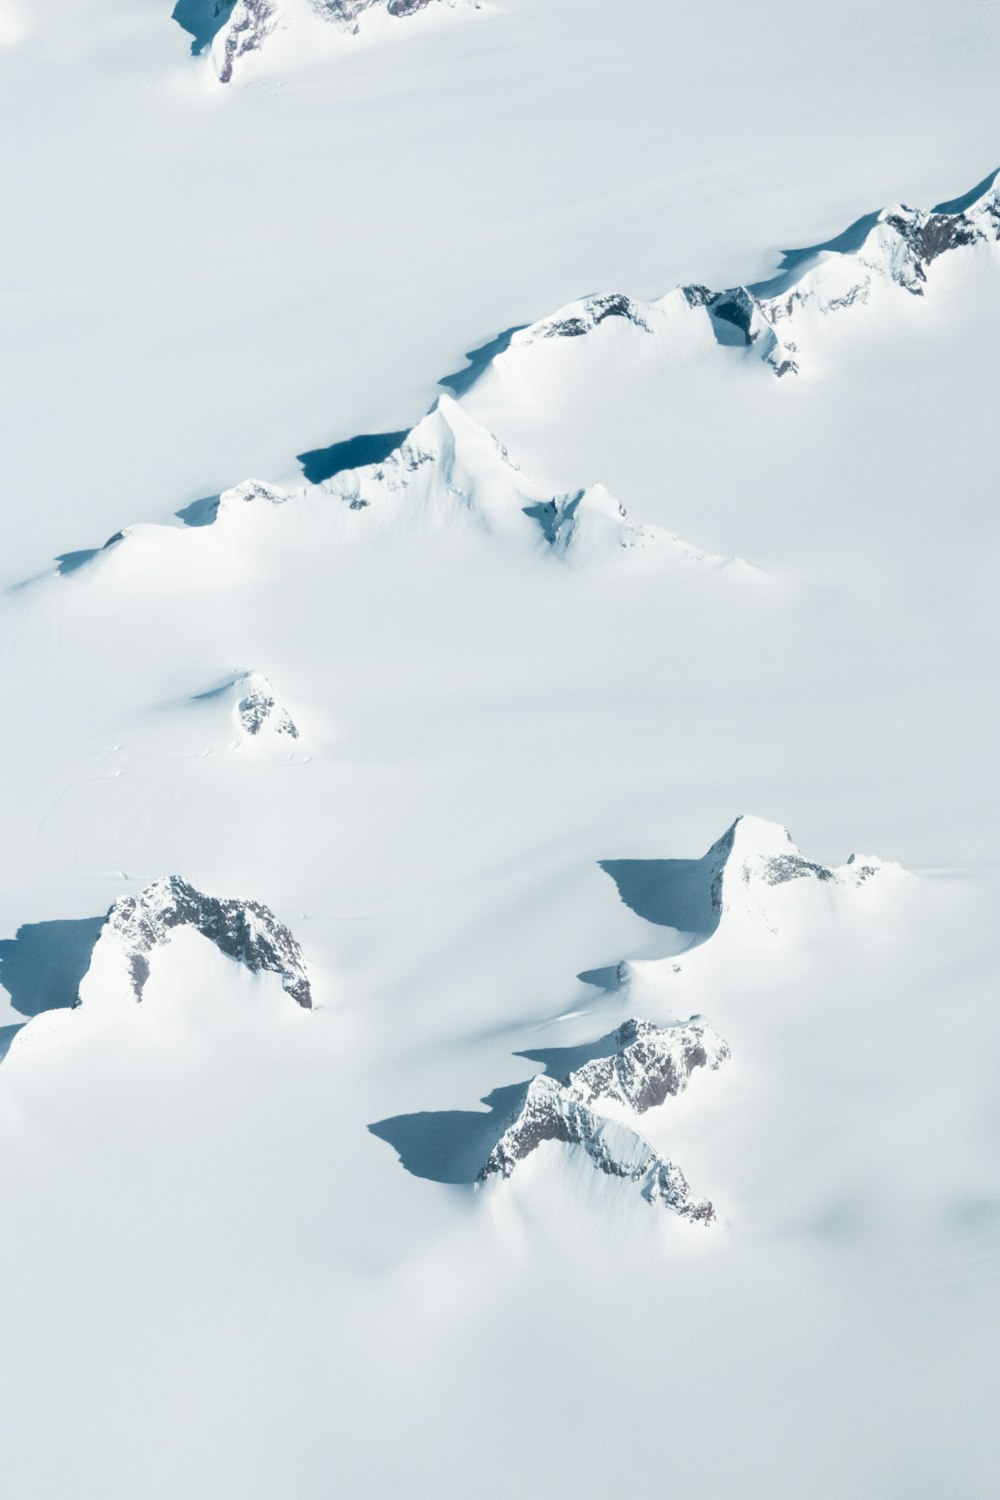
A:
[584,316]
[259,710]
[895,247]
[250,22]
[549,1112]
[251,492]
[232,31]
[649,1065]
[245,931]
[755,854]
[592,524]
[348,12]
[652,1064]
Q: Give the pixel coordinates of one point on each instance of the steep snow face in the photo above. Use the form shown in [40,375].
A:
[259,711]
[448,472]
[449,475]
[549,1112]
[755,862]
[891,249]
[753,889]
[245,931]
[591,526]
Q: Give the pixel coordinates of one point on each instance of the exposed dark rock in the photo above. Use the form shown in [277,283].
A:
[549,1112]
[652,1063]
[243,930]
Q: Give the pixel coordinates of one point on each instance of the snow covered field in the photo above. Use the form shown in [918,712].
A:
[455,681]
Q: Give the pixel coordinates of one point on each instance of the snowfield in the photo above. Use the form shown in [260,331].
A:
[448,1045]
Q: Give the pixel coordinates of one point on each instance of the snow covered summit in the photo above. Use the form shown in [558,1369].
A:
[245,931]
[590,1109]
[781,319]
[232,30]
[258,710]
[451,472]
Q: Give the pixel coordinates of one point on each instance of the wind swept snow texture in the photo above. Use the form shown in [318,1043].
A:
[778,318]
[244,931]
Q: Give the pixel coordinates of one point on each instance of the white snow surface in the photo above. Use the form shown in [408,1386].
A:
[242,1245]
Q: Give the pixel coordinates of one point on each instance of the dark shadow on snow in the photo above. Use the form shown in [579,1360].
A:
[200,512]
[42,965]
[670,892]
[69,562]
[602,979]
[201,19]
[959,205]
[479,359]
[353,453]
[450,1145]
[559,1062]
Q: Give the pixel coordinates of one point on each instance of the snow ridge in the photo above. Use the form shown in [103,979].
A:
[894,248]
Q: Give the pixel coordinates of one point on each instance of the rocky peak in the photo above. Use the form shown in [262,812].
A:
[893,247]
[259,710]
[549,1112]
[756,852]
[245,931]
[651,1064]
[648,1065]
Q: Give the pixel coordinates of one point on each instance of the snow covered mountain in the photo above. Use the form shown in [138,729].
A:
[753,888]
[648,1065]
[138,928]
[448,475]
[259,712]
[449,694]
[780,321]
[550,1112]
[233,30]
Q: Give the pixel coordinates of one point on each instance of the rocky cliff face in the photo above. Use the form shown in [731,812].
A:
[648,1065]
[549,1112]
[245,931]
[234,30]
[259,710]
[250,23]
[651,1064]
